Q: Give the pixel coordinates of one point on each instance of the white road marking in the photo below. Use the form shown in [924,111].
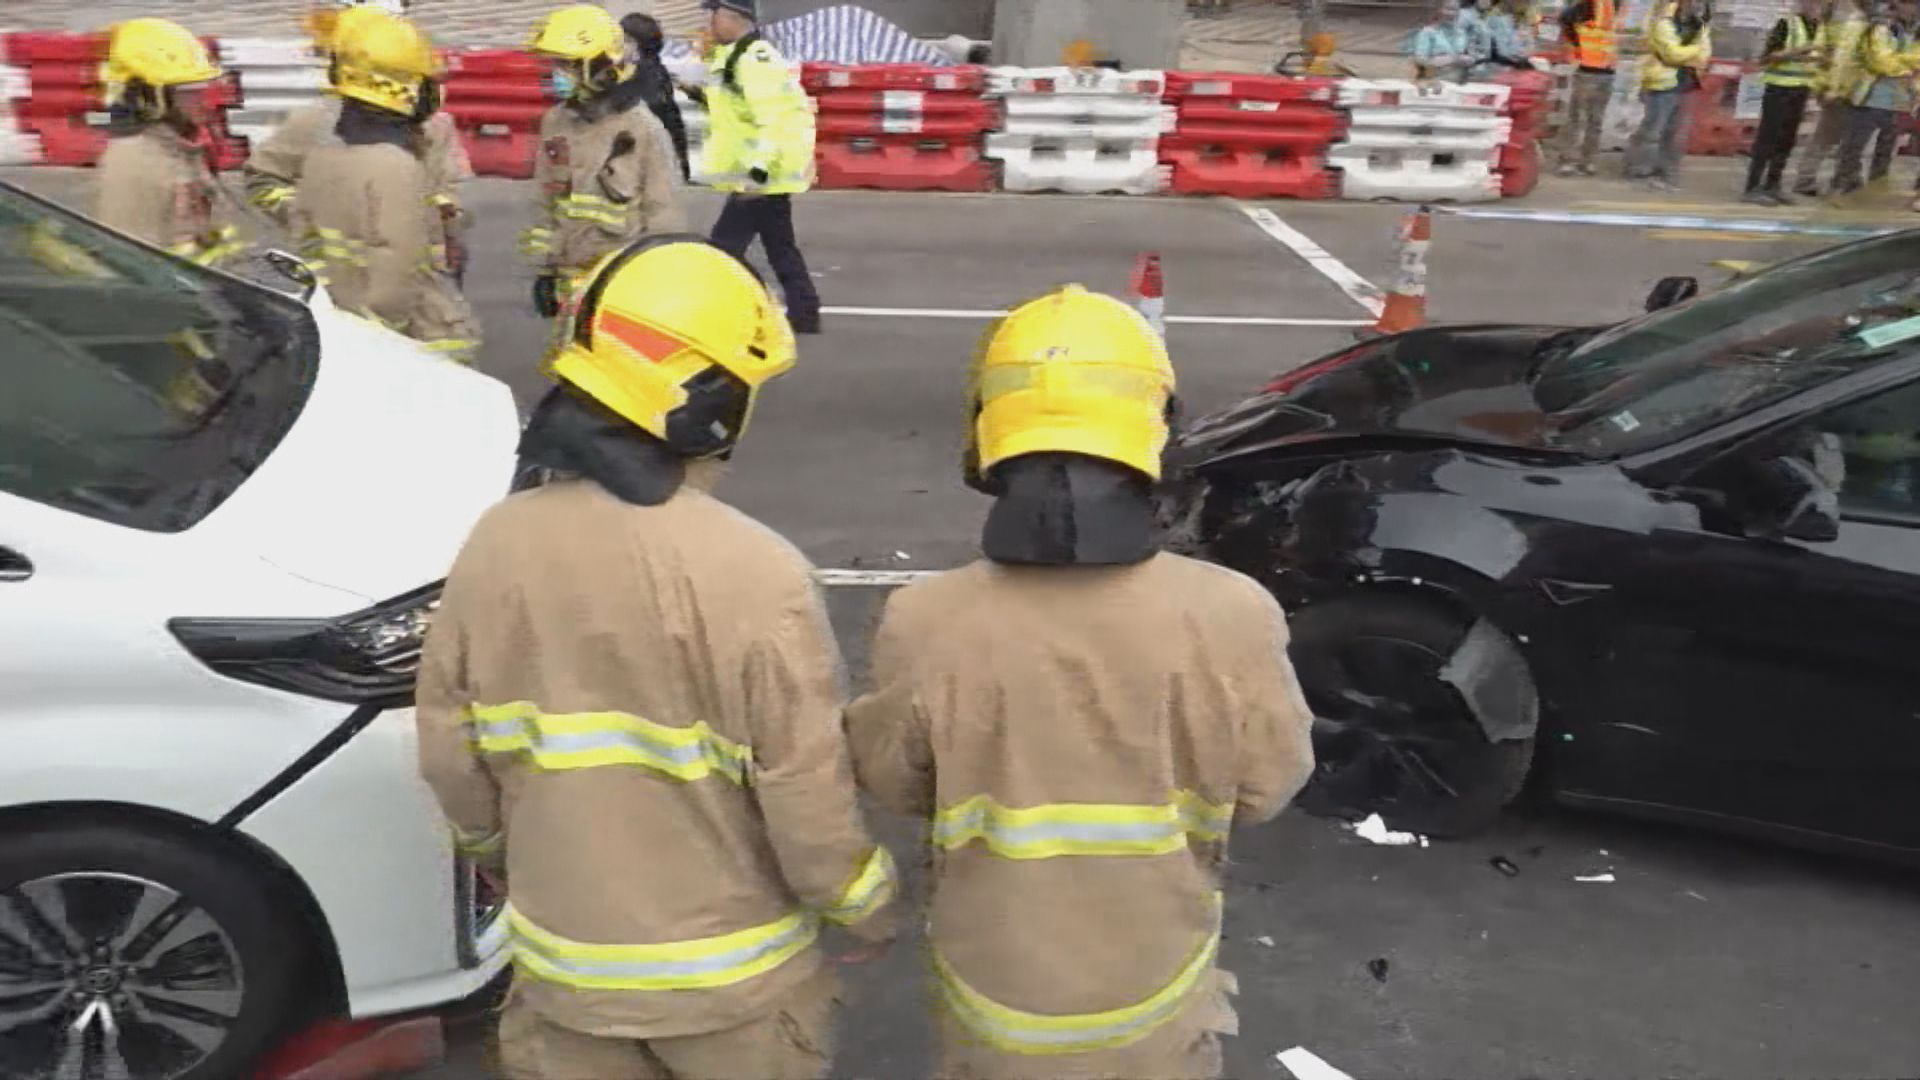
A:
[1177,320]
[870,578]
[1358,289]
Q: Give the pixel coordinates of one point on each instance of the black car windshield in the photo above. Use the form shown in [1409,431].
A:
[139,389]
[1679,371]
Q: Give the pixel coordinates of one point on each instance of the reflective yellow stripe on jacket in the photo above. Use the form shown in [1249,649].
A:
[1019,1032]
[872,886]
[1793,72]
[697,964]
[1056,829]
[594,210]
[554,741]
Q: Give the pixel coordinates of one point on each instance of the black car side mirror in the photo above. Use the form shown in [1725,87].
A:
[295,270]
[1669,291]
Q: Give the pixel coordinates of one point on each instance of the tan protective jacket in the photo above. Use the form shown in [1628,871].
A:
[441,316]
[366,207]
[602,184]
[1081,738]
[155,185]
[643,705]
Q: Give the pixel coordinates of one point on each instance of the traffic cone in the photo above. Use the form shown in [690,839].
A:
[1150,291]
[1406,306]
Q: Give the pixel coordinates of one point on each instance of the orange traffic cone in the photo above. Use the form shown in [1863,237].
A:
[1149,290]
[1406,307]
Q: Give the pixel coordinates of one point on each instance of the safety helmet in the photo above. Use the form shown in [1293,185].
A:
[384,61]
[1072,372]
[589,45]
[158,54]
[678,337]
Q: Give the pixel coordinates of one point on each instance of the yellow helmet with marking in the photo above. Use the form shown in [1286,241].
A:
[1072,372]
[158,52]
[581,32]
[383,60]
[677,337]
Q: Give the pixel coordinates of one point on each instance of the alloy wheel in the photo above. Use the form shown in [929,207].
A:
[107,976]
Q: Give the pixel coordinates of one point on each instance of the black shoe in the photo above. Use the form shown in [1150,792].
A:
[804,324]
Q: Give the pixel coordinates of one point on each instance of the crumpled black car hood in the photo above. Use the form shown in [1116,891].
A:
[1455,384]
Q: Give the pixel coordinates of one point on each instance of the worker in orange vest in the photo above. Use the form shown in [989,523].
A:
[1590,29]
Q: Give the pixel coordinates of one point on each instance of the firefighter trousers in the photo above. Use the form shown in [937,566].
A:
[794,1042]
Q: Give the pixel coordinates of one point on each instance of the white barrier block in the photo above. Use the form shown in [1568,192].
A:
[1413,175]
[1106,118]
[1077,164]
[1406,94]
[1099,82]
[278,76]
[16,147]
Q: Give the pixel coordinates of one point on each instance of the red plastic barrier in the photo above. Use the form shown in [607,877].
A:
[903,163]
[1715,131]
[962,80]
[496,98]
[1251,136]
[66,100]
[1530,104]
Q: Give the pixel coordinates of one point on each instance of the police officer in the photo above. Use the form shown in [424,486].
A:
[365,194]
[606,174]
[1080,718]
[154,180]
[274,170]
[629,703]
[760,151]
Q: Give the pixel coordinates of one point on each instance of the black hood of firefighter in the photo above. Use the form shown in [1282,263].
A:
[1069,510]
[574,434]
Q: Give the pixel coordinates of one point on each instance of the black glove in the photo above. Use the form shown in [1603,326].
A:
[546,295]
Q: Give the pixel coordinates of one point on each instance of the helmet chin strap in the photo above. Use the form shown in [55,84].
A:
[1069,510]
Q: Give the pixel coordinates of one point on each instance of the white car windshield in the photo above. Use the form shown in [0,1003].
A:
[139,389]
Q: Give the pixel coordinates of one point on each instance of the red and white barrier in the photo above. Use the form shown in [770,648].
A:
[901,127]
[1252,136]
[920,128]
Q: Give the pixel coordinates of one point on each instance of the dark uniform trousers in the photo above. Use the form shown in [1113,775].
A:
[770,217]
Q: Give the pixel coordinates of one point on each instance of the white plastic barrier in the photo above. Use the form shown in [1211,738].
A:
[16,147]
[278,76]
[1421,142]
[1625,108]
[1080,130]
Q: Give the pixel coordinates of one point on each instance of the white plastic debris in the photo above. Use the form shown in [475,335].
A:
[1265,940]
[902,556]
[1373,829]
[1595,879]
[1304,1064]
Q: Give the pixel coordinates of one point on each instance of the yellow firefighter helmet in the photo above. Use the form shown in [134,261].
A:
[382,60]
[1073,372]
[581,32]
[159,53]
[678,337]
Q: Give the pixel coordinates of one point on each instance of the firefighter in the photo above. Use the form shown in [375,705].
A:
[606,174]
[1080,718]
[274,169]
[365,193]
[760,151]
[155,183]
[629,706]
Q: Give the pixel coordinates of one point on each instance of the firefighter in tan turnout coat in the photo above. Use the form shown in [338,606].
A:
[606,174]
[275,168]
[1080,718]
[630,703]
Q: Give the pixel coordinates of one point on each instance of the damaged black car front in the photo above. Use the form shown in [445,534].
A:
[1524,552]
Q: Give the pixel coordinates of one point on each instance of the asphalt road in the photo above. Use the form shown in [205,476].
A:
[1704,958]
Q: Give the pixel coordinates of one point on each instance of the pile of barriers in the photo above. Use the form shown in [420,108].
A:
[902,127]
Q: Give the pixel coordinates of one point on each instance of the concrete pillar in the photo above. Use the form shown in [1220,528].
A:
[1137,33]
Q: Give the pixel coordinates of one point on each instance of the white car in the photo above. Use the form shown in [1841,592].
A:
[224,514]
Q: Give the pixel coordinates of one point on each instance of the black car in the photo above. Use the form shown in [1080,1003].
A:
[1669,567]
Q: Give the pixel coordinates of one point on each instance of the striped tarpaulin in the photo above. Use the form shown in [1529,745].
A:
[843,34]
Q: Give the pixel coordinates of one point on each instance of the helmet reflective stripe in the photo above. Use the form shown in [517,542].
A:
[1060,829]
[1020,1032]
[557,741]
[701,963]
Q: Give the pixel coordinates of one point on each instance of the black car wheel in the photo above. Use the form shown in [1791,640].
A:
[131,954]
[1390,735]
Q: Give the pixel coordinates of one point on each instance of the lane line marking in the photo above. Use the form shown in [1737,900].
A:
[1761,226]
[1178,320]
[1358,289]
[870,578]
